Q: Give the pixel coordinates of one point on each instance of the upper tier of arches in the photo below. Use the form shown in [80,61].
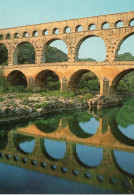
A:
[56,28]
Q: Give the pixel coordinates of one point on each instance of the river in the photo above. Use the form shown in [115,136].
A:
[78,152]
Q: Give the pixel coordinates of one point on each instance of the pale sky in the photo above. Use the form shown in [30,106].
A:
[26,12]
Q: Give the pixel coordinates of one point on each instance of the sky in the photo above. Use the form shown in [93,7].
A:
[15,13]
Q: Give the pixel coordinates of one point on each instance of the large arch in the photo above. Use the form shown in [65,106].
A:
[116,80]
[75,78]
[43,77]
[3,54]
[77,49]
[47,49]
[16,78]
[121,42]
[28,51]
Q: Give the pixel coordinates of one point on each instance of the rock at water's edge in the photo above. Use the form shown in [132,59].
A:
[100,101]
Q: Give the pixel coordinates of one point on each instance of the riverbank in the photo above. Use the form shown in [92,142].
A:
[20,106]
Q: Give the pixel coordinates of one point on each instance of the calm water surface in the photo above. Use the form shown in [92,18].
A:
[70,152]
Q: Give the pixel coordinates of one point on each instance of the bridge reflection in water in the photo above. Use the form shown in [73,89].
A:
[101,156]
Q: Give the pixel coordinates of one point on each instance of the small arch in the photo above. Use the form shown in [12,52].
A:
[1,37]
[8,36]
[91,27]
[34,33]
[16,35]
[45,32]
[46,79]
[119,24]
[105,25]
[66,29]
[55,31]
[16,78]
[131,23]
[25,34]
[78,28]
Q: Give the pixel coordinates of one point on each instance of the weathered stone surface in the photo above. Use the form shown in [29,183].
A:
[69,72]
[104,102]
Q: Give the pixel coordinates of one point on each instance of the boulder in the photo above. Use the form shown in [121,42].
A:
[100,101]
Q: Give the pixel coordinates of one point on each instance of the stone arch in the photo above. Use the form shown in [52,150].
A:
[105,25]
[121,41]
[78,28]
[131,22]
[80,43]
[25,34]
[115,81]
[16,78]
[119,24]
[91,26]
[16,35]
[41,79]
[75,78]
[3,54]
[1,37]
[35,33]
[43,58]
[8,36]
[16,51]
[45,32]
[55,31]
[66,29]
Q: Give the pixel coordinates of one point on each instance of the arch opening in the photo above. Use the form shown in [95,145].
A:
[91,27]
[25,34]
[54,51]
[125,50]
[16,35]
[55,31]
[90,48]
[84,81]
[119,24]
[8,36]
[78,28]
[131,23]
[123,83]
[34,33]
[24,54]
[1,37]
[16,78]
[3,55]
[45,32]
[47,80]
[66,29]
[105,25]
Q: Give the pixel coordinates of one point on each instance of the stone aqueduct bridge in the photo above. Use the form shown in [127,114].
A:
[109,72]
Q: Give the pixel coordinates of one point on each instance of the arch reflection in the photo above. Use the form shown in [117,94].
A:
[55,149]
[24,144]
[125,161]
[83,125]
[89,156]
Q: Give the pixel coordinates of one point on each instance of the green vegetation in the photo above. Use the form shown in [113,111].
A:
[125,57]
[3,55]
